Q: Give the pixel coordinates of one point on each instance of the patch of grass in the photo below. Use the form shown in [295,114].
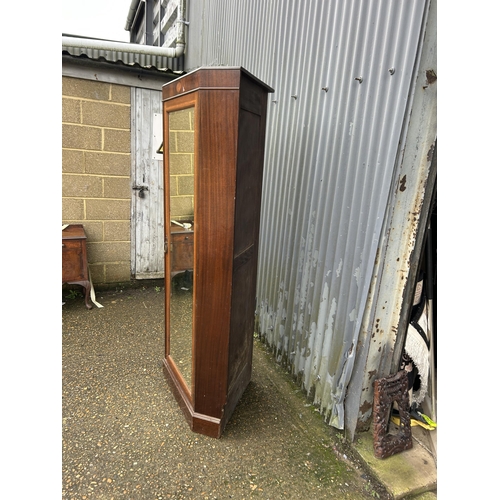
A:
[369,489]
[73,294]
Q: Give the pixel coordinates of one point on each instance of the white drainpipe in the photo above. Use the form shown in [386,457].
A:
[131,14]
[87,43]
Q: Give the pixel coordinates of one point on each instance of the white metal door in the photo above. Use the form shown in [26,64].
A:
[147,185]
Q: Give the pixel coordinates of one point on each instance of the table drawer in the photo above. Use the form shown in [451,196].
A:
[73,261]
[182,249]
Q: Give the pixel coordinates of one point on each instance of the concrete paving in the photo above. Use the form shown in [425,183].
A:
[124,436]
[411,472]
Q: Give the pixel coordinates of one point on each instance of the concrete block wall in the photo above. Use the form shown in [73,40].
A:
[181,151]
[96,190]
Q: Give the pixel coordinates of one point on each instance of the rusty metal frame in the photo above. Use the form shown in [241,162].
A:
[387,391]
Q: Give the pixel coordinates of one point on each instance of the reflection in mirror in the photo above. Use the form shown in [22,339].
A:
[181,241]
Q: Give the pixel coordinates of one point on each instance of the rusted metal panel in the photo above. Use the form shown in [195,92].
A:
[384,324]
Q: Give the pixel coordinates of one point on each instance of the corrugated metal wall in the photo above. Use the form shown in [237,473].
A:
[342,72]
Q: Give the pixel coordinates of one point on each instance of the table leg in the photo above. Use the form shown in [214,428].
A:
[86,286]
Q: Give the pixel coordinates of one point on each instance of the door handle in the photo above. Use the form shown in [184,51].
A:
[141,190]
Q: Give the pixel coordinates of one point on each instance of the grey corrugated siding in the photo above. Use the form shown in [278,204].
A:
[329,162]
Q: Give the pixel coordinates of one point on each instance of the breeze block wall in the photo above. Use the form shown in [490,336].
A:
[181,151]
[96,190]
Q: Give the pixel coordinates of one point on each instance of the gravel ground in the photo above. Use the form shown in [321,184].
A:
[124,436]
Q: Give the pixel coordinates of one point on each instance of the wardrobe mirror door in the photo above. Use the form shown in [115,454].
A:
[181,239]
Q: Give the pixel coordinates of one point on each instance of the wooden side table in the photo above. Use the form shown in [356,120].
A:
[181,248]
[74,259]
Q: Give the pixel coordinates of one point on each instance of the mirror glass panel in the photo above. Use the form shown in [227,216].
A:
[181,238]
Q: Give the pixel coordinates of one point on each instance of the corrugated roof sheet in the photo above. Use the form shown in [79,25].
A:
[147,61]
